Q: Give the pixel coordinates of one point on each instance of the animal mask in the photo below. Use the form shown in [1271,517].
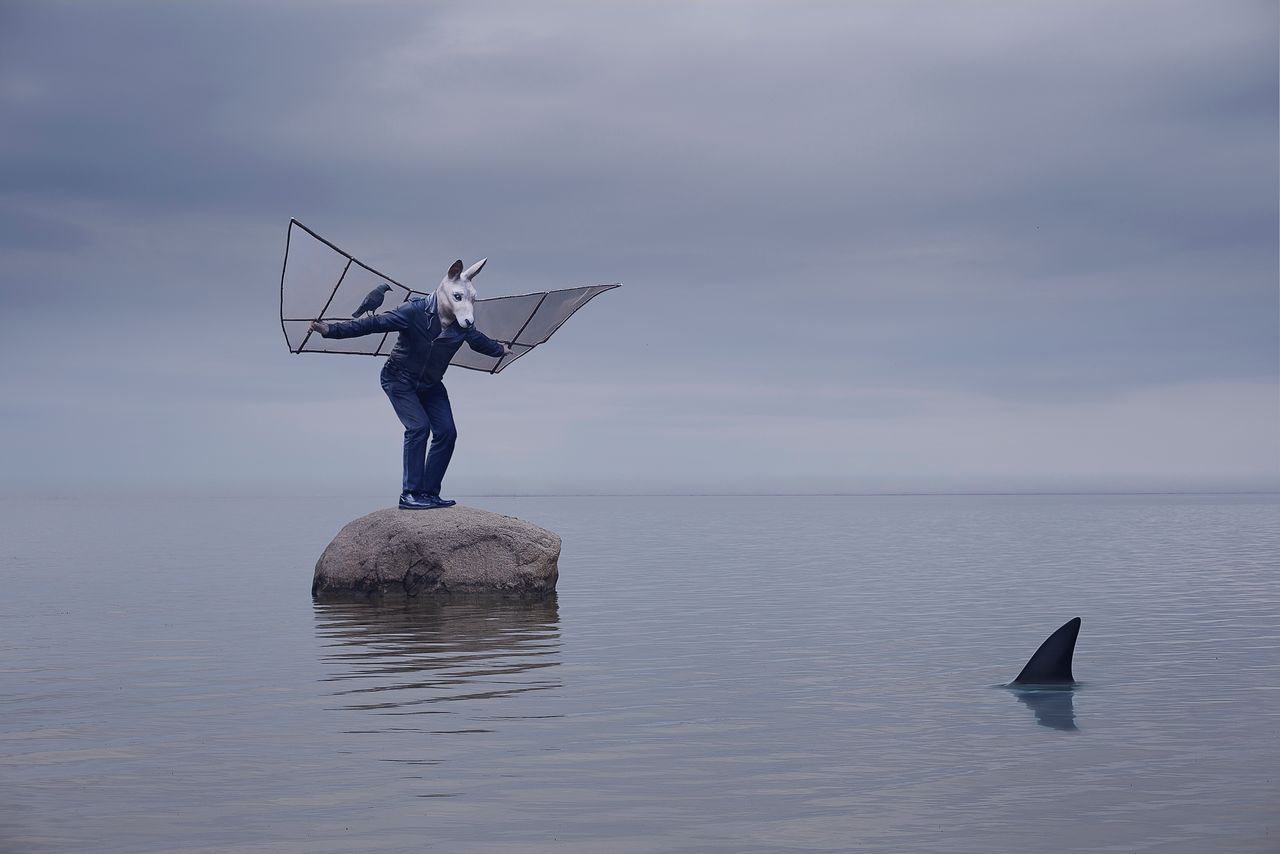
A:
[456,296]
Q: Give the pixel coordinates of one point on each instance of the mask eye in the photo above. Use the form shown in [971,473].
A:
[457,297]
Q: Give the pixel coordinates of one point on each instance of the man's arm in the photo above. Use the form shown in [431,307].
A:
[482,343]
[388,321]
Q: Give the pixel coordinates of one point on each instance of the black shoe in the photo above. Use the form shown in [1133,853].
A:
[436,500]
[409,501]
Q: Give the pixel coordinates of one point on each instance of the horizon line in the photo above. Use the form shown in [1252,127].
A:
[851,494]
[897,494]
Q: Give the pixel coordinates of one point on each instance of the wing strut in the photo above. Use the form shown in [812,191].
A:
[332,293]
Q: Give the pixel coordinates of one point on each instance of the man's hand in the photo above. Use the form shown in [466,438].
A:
[320,326]
[506,348]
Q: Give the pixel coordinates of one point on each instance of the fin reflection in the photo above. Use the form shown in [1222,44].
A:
[1054,708]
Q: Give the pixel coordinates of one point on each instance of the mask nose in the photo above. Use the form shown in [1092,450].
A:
[466,324]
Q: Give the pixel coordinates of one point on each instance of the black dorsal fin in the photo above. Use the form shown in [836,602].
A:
[1051,665]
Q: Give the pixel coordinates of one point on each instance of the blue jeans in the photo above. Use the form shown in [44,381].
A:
[424,410]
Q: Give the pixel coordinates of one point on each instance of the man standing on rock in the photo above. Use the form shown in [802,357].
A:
[431,329]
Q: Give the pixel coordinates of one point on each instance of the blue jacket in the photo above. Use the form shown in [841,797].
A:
[422,349]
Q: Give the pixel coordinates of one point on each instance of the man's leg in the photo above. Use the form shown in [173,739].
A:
[402,392]
[435,401]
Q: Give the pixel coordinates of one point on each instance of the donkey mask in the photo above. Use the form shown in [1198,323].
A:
[456,296]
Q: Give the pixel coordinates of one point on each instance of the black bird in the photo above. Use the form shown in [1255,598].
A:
[372,300]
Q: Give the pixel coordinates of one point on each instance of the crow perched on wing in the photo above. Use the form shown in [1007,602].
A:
[372,300]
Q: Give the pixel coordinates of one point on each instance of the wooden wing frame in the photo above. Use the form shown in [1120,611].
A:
[320,281]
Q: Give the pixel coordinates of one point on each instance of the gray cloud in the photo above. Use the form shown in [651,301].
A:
[1048,204]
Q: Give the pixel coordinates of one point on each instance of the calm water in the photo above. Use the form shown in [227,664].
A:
[716,674]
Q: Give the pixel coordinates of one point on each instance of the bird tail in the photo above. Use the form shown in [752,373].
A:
[357,312]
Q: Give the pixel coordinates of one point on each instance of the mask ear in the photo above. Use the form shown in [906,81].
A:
[474,270]
[455,270]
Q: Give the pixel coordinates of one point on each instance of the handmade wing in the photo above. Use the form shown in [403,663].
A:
[322,282]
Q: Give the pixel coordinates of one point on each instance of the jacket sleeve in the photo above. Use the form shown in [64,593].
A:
[482,343]
[388,321]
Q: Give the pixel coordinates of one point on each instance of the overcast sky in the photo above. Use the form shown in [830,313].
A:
[865,246]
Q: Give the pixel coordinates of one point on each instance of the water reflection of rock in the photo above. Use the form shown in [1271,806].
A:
[409,658]
[1053,708]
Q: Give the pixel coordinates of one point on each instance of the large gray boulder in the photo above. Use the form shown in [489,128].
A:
[438,553]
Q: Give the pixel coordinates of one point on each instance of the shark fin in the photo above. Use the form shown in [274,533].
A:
[1051,665]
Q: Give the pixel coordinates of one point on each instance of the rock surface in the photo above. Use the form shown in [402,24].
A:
[438,553]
